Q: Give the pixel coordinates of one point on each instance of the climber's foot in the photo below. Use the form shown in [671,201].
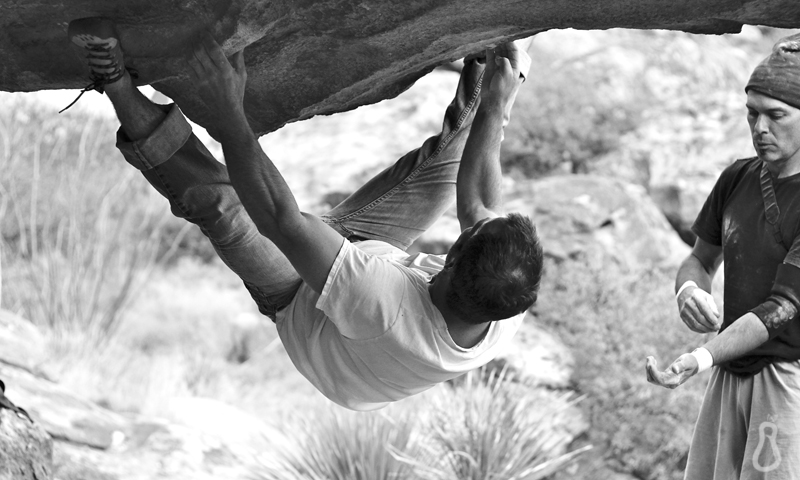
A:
[96,41]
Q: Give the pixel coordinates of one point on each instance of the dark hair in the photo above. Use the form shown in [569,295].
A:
[497,275]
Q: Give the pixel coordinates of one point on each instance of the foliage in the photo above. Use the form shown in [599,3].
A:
[613,319]
[569,116]
[476,429]
[348,446]
[495,430]
[562,121]
[630,95]
[80,231]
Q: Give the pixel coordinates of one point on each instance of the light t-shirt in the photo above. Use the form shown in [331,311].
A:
[374,335]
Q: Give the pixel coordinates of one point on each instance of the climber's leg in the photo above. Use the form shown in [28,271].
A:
[159,141]
[179,166]
[404,200]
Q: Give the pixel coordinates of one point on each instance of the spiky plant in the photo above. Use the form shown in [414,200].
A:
[490,428]
[342,445]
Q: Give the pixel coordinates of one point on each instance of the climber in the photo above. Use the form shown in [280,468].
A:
[748,423]
[365,322]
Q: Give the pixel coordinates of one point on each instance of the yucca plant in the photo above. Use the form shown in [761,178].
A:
[490,428]
[343,445]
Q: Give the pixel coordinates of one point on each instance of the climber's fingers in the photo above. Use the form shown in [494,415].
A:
[237,60]
[201,56]
[214,52]
[196,66]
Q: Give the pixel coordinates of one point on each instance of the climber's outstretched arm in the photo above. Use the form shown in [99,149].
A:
[479,184]
[309,243]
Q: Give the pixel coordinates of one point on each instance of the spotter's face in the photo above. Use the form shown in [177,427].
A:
[775,130]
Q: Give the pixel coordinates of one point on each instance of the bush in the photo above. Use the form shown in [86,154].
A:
[473,430]
[612,319]
[80,228]
[495,429]
[345,445]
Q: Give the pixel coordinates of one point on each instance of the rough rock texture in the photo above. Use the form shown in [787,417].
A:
[323,56]
[579,216]
[592,215]
[160,449]
[63,413]
[537,358]
[26,451]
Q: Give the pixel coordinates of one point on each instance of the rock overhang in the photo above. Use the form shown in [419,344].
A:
[312,57]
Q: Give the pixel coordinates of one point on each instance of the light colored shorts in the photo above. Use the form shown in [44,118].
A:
[749,428]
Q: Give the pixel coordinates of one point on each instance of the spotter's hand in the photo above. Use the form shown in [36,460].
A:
[219,83]
[698,310]
[675,375]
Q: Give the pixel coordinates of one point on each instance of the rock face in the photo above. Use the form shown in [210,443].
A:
[21,344]
[537,358]
[322,56]
[26,451]
[579,216]
[72,438]
[591,215]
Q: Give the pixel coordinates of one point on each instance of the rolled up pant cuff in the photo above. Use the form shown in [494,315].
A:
[160,145]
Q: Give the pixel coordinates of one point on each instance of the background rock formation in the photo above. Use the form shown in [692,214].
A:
[324,56]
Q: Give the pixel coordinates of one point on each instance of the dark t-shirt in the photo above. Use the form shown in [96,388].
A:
[761,274]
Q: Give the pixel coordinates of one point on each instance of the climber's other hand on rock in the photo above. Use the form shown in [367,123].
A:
[219,82]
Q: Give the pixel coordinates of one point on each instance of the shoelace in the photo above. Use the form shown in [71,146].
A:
[99,52]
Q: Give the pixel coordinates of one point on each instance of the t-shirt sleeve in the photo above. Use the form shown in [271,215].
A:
[708,225]
[783,304]
[363,294]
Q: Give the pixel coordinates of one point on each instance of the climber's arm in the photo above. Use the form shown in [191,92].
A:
[479,192]
[309,244]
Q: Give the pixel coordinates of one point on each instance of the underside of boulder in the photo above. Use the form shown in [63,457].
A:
[311,57]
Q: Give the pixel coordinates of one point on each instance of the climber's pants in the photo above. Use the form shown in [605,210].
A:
[748,428]
[396,206]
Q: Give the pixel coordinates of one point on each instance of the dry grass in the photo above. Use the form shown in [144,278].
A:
[80,233]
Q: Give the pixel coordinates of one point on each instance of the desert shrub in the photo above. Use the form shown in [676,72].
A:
[489,427]
[613,319]
[568,114]
[563,120]
[476,429]
[80,229]
[672,93]
[342,445]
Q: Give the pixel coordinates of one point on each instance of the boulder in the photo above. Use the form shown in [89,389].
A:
[583,215]
[62,413]
[243,434]
[26,450]
[536,358]
[588,216]
[21,343]
[307,58]
[206,440]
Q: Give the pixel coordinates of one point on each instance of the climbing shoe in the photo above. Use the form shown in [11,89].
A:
[96,42]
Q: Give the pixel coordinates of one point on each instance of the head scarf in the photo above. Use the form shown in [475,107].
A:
[778,75]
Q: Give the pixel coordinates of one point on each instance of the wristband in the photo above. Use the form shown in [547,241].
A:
[704,359]
[686,284]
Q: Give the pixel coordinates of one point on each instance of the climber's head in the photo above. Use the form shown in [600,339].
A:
[494,268]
